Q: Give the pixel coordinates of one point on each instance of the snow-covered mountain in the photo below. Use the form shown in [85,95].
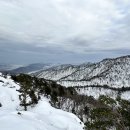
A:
[26,104]
[112,72]
[40,117]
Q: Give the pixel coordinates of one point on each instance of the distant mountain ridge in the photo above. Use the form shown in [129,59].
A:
[28,69]
[8,67]
[114,72]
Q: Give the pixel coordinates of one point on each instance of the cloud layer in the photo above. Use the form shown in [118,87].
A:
[74,26]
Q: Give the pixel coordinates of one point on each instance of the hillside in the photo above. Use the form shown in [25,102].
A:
[38,116]
[28,101]
[112,72]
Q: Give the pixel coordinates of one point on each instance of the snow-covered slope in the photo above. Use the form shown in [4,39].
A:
[113,72]
[96,92]
[56,72]
[40,117]
[8,94]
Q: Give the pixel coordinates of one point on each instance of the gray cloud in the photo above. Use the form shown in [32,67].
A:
[64,28]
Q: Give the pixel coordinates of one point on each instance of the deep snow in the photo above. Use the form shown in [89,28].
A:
[41,117]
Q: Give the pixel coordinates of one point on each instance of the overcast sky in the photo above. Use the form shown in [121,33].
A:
[63,31]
